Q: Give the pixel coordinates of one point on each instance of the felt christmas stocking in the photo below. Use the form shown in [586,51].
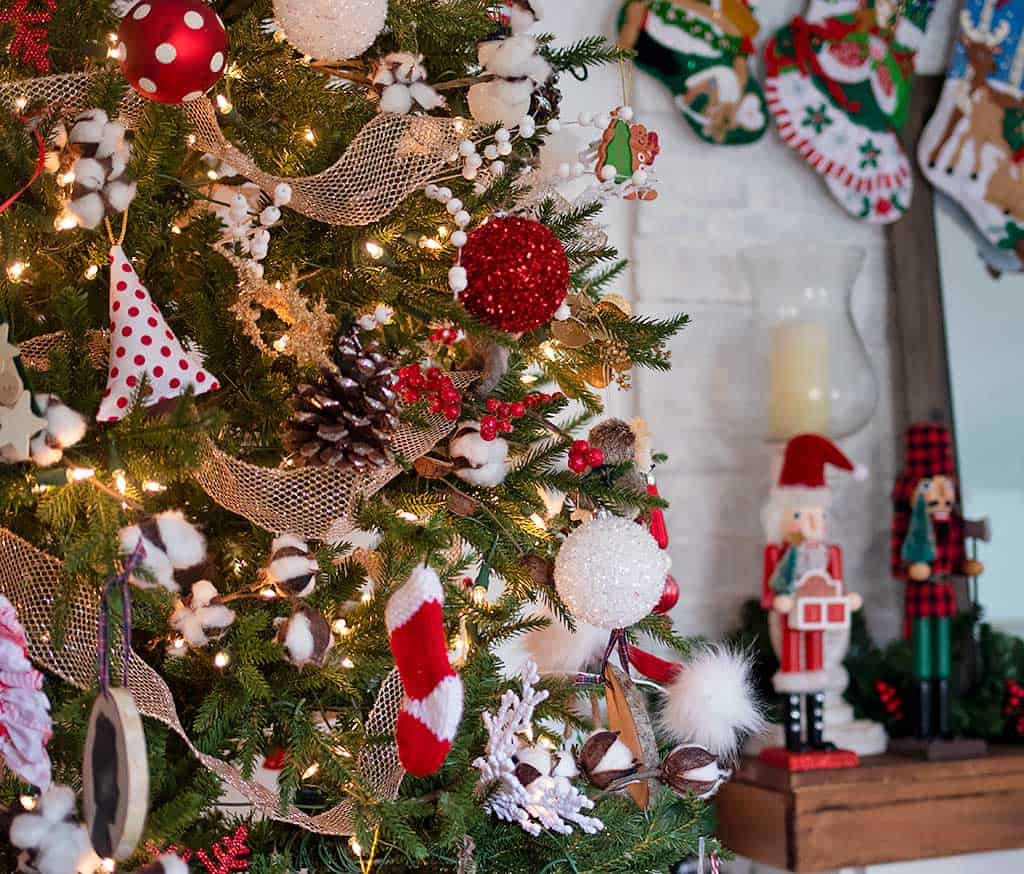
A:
[838,83]
[432,709]
[701,50]
[141,345]
[973,147]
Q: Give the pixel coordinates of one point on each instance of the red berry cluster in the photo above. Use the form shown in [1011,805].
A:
[445,336]
[1014,697]
[500,414]
[583,456]
[892,701]
[413,384]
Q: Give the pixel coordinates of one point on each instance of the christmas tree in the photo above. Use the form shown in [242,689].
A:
[919,546]
[311,347]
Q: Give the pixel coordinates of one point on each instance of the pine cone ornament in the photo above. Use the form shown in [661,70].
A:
[347,417]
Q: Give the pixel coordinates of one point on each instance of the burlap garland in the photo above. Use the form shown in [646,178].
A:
[392,156]
[31,579]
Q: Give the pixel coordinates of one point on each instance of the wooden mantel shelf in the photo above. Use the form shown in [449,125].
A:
[890,809]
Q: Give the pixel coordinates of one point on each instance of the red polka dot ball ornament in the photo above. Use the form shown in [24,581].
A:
[517,274]
[172,50]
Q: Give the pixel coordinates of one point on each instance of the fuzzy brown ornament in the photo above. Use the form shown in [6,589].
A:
[347,418]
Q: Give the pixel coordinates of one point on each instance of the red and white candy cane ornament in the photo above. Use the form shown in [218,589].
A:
[172,50]
[141,344]
[432,709]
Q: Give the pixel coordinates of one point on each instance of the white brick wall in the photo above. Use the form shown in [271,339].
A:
[714,201]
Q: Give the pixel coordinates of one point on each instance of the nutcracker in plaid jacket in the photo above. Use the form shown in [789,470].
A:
[930,603]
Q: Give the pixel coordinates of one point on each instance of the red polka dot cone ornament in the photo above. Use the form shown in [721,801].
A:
[141,345]
[172,50]
[432,709]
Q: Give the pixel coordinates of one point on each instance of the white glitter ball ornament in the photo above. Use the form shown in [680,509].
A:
[331,30]
[610,572]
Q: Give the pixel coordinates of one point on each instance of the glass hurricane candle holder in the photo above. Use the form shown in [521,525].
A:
[815,369]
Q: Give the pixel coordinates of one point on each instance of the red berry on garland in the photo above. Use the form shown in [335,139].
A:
[517,272]
[669,597]
[518,410]
[577,464]
[172,50]
[595,457]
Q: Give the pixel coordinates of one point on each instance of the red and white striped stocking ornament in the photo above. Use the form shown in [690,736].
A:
[432,709]
[141,343]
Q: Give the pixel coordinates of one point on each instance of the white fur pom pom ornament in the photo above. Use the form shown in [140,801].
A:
[558,650]
[478,461]
[51,838]
[175,550]
[610,572]
[710,701]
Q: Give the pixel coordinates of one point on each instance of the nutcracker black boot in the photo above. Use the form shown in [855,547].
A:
[816,722]
[944,709]
[924,709]
[791,719]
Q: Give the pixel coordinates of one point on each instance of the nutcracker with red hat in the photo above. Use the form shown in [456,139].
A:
[804,590]
[928,552]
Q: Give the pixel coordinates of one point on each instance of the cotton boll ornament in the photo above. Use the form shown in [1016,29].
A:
[175,551]
[306,637]
[172,51]
[331,30]
[478,461]
[610,572]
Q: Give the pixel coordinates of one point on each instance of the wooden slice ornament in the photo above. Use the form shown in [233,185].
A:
[116,775]
[627,714]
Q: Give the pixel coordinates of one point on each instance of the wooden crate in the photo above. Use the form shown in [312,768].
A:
[890,809]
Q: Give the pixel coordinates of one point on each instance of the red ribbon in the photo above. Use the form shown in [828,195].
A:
[40,164]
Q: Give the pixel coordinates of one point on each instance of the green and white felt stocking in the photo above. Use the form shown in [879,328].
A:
[701,50]
[973,147]
[838,83]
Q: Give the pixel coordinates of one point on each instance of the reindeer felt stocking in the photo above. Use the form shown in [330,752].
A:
[838,83]
[432,709]
[701,50]
[973,147]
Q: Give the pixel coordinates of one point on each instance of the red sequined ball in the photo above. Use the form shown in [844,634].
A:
[518,274]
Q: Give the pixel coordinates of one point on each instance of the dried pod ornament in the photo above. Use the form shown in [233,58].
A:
[604,758]
[346,418]
[305,636]
[292,569]
[691,769]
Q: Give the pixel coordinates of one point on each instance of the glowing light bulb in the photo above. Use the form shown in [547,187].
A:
[212,174]
[153,486]
[178,643]
[355,846]
[366,597]
[407,516]
[374,250]
[340,627]
[528,379]
[28,802]
[442,231]
[223,104]
[311,771]
[347,663]
[80,474]
[21,103]
[120,481]
[221,660]
[309,136]
[65,221]
[269,593]
[66,178]
[281,343]
[15,270]
[91,271]
[479,595]
[191,139]
[108,865]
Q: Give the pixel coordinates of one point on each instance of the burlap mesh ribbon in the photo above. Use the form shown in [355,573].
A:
[389,158]
[31,581]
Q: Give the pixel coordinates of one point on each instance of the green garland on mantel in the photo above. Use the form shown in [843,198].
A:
[986,667]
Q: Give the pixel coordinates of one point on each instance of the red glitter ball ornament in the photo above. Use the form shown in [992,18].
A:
[172,50]
[517,272]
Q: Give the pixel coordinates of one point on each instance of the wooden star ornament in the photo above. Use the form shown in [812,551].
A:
[19,424]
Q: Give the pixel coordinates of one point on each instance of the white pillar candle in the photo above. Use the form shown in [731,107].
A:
[799,398]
